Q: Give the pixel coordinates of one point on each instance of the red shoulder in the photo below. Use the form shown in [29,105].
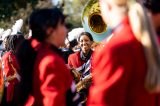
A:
[6,55]
[74,55]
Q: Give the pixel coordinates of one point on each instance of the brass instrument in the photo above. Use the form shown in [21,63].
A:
[76,75]
[84,84]
[93,22]
[81,83]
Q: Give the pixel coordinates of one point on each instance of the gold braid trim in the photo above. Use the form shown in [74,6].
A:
[11,77]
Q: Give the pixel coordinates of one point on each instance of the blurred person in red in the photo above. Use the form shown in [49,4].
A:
[45,79]
[10,65]
[121,67]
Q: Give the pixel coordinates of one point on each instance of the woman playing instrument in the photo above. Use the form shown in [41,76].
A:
[80,62]
[45,79]
[81,57]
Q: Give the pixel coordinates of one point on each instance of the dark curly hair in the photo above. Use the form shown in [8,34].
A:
[14,41]
[87,34]
[40,20]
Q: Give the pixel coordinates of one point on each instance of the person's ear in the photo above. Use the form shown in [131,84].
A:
[50,31]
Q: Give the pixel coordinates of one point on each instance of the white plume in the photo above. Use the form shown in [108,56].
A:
[17,26]
[74,33]
[30,33]
[66,41]
[6,33]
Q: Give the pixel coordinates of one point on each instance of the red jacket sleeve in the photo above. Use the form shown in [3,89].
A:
[70,61]
[74,60]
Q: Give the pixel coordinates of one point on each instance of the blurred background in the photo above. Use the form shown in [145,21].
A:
[12,10]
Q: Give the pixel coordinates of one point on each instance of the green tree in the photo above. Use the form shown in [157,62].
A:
[12,10]
[74,8]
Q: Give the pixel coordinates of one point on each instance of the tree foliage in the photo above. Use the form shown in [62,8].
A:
[12,10]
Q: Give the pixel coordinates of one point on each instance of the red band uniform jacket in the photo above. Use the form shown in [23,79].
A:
[8,71]
[120,70]
[74,60]
[51,78]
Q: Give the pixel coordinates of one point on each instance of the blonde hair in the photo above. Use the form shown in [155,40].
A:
[121,5]
[143,30]
[119,2]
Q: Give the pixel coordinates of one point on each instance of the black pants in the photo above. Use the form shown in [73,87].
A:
[4,99]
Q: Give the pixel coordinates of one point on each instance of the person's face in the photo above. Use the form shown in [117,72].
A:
[85,43]
[61,32]
[57,36]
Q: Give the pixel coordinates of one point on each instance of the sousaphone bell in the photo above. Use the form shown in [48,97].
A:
[93,22]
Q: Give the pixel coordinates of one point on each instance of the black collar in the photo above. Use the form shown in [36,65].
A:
[87,57]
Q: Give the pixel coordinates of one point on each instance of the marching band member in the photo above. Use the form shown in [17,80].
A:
[45,79]
[10,65]
[80,61]
[121,66]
